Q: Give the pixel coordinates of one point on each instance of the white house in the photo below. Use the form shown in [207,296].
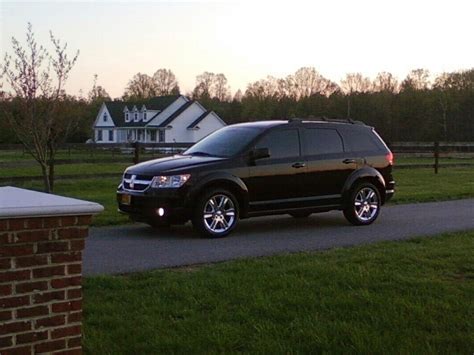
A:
[164,119]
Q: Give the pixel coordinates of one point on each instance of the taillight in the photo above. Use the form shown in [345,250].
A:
[389,158]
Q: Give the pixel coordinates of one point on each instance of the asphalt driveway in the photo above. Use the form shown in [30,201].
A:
[114,250]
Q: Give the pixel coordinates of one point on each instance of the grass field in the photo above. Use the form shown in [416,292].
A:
[411,297]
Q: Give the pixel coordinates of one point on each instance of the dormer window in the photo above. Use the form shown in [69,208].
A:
[126,117]
[136,117]
[144,115]
[105,117]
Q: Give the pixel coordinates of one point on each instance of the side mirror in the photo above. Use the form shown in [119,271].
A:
[259,153]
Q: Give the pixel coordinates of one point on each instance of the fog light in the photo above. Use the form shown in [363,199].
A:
[161,212]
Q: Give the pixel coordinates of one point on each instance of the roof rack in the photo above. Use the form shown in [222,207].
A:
[325,119]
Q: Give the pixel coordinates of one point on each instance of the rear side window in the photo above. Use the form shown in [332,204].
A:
[359,140]
[281,144]
[322,141]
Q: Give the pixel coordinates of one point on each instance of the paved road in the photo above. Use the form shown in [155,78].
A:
[113,250]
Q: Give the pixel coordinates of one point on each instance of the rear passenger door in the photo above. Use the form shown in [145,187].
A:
[323,149]
[276,181]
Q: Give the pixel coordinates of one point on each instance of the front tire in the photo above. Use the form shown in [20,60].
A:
[216,213]
[363,205]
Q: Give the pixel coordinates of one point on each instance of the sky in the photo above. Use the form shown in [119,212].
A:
[246,40]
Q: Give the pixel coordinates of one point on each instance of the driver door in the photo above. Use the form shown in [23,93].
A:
[276,182]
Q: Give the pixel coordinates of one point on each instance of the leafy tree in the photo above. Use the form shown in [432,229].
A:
[36,107]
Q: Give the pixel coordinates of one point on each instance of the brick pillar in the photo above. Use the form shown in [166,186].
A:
[41,278]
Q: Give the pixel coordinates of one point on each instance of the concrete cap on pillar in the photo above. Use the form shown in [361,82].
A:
[18,203]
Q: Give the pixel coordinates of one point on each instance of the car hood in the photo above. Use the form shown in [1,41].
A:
[171,164]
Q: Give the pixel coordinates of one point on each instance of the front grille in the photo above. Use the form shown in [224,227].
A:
[134,182]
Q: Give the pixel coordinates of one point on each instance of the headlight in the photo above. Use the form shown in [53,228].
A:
[172,181]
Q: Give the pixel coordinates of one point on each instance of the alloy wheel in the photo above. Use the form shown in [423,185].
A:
[219,214]
[366,204]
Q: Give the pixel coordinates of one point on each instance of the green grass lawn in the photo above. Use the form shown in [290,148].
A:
[411,297]
[68,169]
[413,185]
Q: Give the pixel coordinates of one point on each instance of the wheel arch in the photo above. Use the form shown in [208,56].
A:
[227,181]
[368,174]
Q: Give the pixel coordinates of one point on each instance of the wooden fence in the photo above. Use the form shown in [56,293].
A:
[134,153]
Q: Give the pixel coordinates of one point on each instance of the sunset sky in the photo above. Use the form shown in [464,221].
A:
[247,40]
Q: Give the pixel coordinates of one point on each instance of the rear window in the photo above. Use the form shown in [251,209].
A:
[322,141]
[360,140]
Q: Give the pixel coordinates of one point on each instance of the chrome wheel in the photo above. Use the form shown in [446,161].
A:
[366,204]
[219,214]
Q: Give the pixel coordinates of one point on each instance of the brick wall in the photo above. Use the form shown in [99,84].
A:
[40,284]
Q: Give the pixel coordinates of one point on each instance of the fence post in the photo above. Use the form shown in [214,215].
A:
[136,158]
[436,156]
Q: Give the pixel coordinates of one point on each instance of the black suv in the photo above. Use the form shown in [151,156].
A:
[262,168]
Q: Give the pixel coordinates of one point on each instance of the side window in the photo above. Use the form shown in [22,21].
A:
[281,144]
[322,141]
[359,140]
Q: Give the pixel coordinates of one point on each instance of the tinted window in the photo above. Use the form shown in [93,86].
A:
[281,144]
[322,141]
[359,140]
[224,142]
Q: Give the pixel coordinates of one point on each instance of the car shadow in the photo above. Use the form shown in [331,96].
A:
[252,226]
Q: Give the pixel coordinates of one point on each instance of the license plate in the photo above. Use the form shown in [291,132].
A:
[126,199]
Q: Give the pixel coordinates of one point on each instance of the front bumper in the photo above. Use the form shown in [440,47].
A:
[144,206]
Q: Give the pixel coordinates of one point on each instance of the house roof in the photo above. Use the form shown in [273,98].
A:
[178,112]
[199,119]
[116,108]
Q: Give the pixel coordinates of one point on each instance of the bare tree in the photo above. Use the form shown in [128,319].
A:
[264,89]
[307,81]
[141,86]
[97,93]
[221,90]
[210,85]
[165,81]
[354,83]
[418,79]
[36,106]
[385,82]
[238,96]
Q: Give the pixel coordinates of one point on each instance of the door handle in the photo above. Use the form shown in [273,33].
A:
[349,161]
[298,165]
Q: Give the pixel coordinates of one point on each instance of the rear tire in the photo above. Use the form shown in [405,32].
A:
[216,213]
[363,205]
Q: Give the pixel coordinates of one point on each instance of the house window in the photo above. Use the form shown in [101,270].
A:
[139,135]
[105,117]
[111,135]
[153,136]
[99,135]
[126,117]
[144,116]
[129,135]
[161,135]
[136,117]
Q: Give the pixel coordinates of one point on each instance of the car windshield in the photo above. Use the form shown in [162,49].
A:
[225,142]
